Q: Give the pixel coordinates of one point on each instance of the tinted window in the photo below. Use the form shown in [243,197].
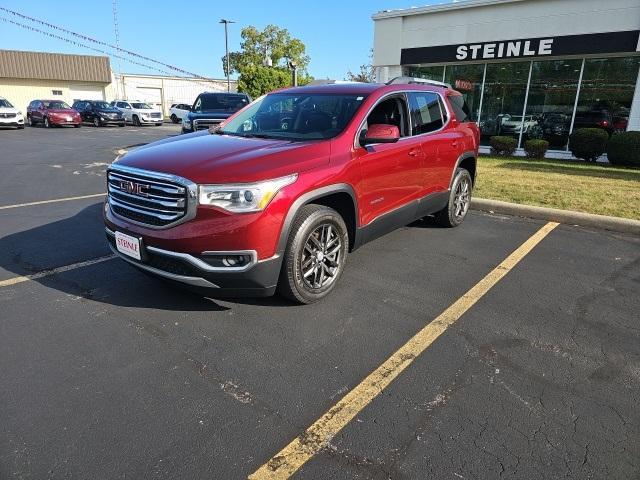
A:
[426,113]
[220,101]
[56,104]
[460,108]
[100,105]
[5,104]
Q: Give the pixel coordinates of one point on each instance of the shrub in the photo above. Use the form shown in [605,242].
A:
[624,149]
[536,148]
[501,145]
[588,143]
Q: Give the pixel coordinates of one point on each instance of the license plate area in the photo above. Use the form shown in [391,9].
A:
[128,245]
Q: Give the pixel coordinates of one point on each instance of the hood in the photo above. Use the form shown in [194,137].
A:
[9,110]
[203,157]
[108,110]
[67,111]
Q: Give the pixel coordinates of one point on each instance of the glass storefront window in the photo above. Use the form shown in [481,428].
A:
[552,97]
[606,93]
[467,79]
[505,88]
[429,73]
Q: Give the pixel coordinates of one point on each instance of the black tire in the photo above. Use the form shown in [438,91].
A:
[121,124]
[47,124]
[135,120]
[20,127]
[77,126]
[158,124]
[96,122]
[30,121]
[459,200]
[174,118]
[313,222]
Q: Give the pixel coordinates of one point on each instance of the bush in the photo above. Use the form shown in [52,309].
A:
[536,148]
[624,149]
[588,143]
[503,145]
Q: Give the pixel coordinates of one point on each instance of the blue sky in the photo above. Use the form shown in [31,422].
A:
[186,34]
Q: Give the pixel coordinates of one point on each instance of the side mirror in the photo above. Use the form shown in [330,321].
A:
[379,133]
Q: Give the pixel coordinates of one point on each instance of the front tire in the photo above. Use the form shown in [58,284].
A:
[459,200]
[315,255]
[136,121]
[29,121]
[96,122]
[47,124]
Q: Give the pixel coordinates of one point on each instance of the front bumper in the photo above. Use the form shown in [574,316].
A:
[257,279]
[151,120]
[11,122]
[64,121]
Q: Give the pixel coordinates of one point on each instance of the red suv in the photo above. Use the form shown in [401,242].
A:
[52,112]
[275,197]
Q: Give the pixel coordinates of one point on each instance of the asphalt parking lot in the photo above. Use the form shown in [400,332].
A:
[107,373]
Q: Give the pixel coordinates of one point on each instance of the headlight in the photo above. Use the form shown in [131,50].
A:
[19,114]
[186,122]
[244,197]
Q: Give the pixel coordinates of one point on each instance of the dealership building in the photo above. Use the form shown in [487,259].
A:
[528,68]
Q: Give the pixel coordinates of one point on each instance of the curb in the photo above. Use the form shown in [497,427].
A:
[616,224]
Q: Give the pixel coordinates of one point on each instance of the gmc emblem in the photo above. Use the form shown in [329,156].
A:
[134,188]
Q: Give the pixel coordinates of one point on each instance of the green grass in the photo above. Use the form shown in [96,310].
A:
[579,186]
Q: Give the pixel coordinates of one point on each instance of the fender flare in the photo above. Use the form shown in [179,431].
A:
[308,197]
[464,156]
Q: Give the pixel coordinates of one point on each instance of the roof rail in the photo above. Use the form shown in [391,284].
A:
[414,80]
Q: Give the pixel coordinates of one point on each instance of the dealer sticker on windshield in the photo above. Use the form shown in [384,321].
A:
[128,245]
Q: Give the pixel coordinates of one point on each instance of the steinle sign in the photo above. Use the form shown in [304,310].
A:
[518,48]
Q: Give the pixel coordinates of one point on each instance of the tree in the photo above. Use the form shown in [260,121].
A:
[366,73]
[255,78]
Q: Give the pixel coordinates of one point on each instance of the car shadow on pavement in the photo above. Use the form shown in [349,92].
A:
[81,238]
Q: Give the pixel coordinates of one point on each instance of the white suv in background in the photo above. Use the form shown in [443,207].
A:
[138,113]
[9,115]
[178,111]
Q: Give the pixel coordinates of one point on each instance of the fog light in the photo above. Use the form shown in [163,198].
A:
[233,260]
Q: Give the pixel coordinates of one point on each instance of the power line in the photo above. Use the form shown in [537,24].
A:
[99,42]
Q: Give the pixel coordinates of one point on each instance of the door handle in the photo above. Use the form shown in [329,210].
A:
[413,152]
[454,143]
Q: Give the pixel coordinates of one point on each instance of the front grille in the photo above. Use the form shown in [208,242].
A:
[144,199]
[156,115]
[204,123]
[7,115]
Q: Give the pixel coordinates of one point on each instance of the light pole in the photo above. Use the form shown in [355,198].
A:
[226,48]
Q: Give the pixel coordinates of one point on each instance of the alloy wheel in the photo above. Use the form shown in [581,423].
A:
[321,256]
[462,198]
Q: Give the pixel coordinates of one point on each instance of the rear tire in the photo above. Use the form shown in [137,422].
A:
[315,255]
[174,118]
[459,200]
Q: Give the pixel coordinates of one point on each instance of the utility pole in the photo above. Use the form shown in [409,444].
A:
[226,48]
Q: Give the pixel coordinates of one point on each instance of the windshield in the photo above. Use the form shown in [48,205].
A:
[141,106]
[56,105]
[5,104]
[102,105]
[295,116]
[221,102]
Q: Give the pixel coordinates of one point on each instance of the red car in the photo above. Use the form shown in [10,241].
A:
[52,112]
[276,197]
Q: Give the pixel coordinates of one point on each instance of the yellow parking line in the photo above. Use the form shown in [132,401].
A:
[53,271]
[55,200]
[284,464]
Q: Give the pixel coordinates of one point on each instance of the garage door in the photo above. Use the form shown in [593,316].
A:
[86,92]
[152,96]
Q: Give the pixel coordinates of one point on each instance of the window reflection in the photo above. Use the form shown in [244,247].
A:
[552,96]
[467,79]
[428,73]
[606,93]
[505,88]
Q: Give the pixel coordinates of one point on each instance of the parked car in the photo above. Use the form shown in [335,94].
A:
[512,124]
[211,108]
[278,194]
[138,113]
[52,113]
[98,113]
[9,115]
[594,119]
[178,111]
